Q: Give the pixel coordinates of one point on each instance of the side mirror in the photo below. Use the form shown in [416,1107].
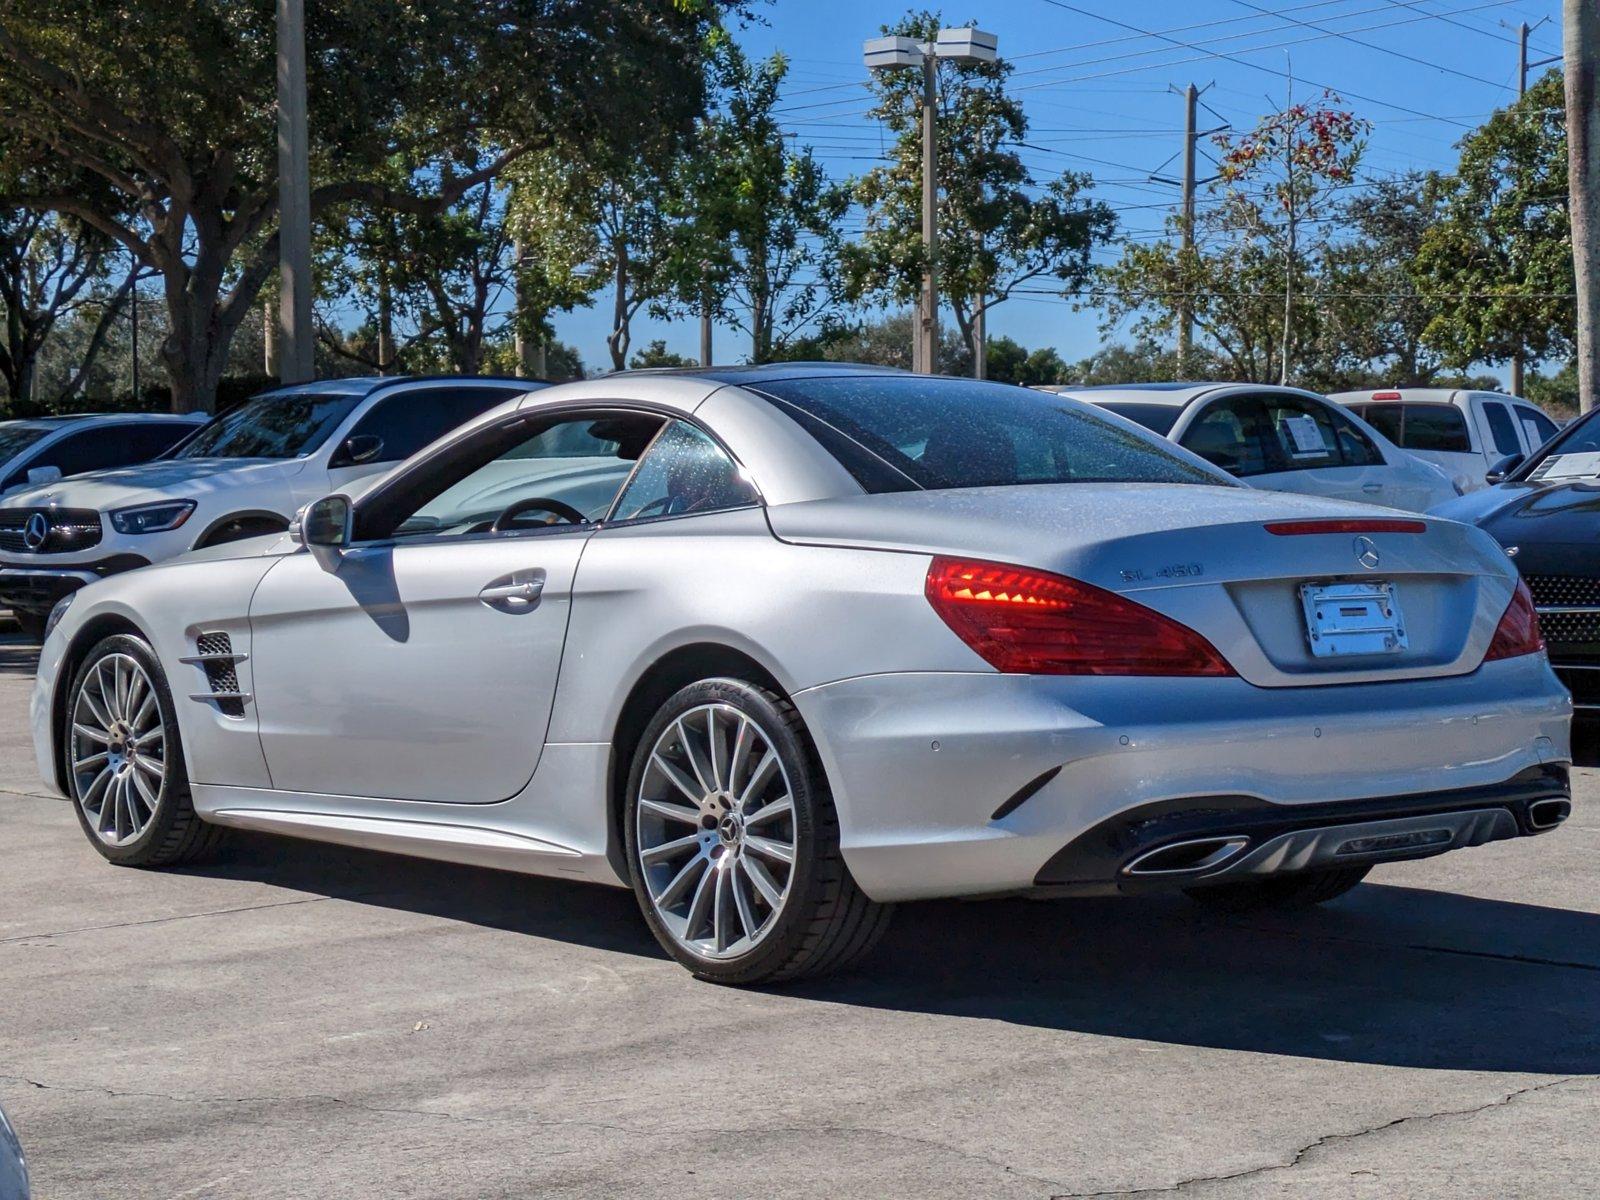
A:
[360,448]
[324,522]
[1499,471]
[38,475]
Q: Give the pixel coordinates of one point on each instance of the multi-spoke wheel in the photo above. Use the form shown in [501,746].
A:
[124,763]
[733,842]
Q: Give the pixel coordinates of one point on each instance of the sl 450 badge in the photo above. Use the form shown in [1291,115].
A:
[1171,571]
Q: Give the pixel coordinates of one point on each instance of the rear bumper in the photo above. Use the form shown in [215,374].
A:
[968,784]
[36,589]
[1224,839]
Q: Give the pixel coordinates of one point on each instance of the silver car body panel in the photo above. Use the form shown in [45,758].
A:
[390,708]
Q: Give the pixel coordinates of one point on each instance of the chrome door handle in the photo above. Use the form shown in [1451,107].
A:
[514,593]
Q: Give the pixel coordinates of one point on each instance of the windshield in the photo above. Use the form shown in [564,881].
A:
[271,427]
[17,436]
[1572,453]
[895,433]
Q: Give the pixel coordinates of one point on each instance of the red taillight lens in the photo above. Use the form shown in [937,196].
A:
[1518,631]
[1033,622]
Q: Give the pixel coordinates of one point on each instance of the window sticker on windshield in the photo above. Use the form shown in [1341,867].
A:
[1305,439]
[1569,466]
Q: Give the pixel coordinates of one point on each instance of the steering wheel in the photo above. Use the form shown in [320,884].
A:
[536,503]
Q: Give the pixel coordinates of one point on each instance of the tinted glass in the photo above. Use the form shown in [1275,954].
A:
[17,436]
[1160,418]
[1539,428]
[1441,427]
[271,427]
[580,464]
[683,472]
[102,447]
[1501,429]
[1304,434]
[1234,435]
[953,433]
[410,420]
[1356,449]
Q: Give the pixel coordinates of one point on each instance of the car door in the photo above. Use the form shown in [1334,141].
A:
[420,662]
[1326,454]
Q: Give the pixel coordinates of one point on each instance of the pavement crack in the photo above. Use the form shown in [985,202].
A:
[210,912]
[1325,1140]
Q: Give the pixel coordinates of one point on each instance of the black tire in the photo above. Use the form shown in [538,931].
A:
[826,922]
[1303,889]
[174,833]
[30,623]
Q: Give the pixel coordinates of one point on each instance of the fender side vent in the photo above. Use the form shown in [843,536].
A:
[216,657]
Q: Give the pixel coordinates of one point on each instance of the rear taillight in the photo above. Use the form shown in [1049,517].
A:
[1518,631]
[1033,622]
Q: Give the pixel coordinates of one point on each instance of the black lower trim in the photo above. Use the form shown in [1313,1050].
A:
[37,589]
[1097,856]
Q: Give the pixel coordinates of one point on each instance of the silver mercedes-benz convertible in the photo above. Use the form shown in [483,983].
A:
[780,646]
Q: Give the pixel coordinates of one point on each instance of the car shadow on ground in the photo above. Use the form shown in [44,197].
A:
[1389,975]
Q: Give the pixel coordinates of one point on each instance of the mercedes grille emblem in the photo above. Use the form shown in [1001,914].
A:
[36,531]
[1366,552]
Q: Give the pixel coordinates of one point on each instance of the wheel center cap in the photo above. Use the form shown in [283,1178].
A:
[730,829]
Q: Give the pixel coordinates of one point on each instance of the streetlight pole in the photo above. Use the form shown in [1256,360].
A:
[892,53]
[294,196]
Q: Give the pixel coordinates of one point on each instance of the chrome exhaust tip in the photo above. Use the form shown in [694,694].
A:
[1548,813]
[1187,858]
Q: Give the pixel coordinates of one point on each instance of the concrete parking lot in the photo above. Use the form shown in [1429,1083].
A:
[294,1020]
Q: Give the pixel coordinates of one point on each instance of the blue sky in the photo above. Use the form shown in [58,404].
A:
[1424,72]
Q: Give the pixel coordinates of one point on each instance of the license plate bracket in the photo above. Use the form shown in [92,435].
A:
[1352,618]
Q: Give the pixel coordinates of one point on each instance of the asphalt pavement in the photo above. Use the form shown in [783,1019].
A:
[293,1020]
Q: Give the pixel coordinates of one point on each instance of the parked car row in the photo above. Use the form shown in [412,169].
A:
[778,647]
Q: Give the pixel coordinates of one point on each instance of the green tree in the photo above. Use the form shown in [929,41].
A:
[171,105]
[999,228]
[886,342]
[656,354]
[766,216]
[1497,266]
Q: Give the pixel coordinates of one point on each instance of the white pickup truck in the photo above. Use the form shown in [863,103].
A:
[244,473]
[1464,432]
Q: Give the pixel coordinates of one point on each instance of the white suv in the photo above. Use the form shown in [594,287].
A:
[242,474]
[1464,432]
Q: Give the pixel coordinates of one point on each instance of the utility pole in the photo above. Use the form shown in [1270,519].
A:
[960,44]
[294,196]
[1580,37]
[705,314]
[1188,187]
[1518,363]
[1288,266]
[133,331]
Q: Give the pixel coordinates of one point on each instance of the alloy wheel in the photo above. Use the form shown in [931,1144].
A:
[118,749]
[716,837]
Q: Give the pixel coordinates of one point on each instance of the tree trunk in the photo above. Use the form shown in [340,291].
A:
[385,321]
[617,341]
[1581,43]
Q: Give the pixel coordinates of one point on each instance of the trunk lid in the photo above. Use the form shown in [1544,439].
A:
[1205,557]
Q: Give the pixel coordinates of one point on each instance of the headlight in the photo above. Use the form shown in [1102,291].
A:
[56,613]
[152,518]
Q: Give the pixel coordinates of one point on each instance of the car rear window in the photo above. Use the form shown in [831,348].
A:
[895,433]
[1158,418]
[1419,426]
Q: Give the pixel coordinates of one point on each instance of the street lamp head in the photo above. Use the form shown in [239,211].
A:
[964,44]
[891,53]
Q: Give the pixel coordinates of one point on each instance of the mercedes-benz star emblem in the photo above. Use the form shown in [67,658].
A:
[36,531]
[1366,552]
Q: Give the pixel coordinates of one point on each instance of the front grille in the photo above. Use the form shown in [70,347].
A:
[1570,628]
[67,529]
[1564,591]
[221,674]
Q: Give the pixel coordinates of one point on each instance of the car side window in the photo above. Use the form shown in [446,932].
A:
[1304,433]
[103,447]
[1539,428]
[1355,447]
[409,420]
[683,472]
[1233,434]
[530,475]
[1501,429]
